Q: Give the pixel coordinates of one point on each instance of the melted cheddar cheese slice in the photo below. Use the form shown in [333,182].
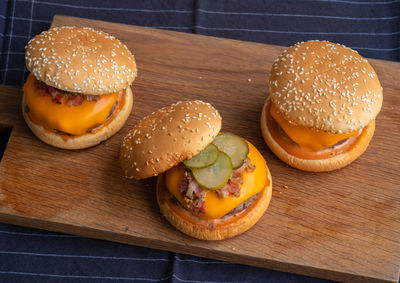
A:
[74,120]
[215,207]
[308,139]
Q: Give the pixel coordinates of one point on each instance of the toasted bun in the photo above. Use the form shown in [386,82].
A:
[325,86]
[81,60]
[168,136]
[217,229]
[86,140]
[317,165]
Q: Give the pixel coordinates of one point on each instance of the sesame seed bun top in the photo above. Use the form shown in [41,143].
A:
[168,136]
[82,60]
[325,86]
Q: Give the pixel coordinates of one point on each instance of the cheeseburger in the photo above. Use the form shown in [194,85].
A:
[78,91]
[213,185]
[324,98]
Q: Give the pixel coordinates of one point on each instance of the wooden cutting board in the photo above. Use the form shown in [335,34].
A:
[342,225]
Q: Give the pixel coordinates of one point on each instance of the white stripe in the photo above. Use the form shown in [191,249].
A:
[295,15]
[14,35]
[201,262]
[30,34]
[299,32]
[110,8]
[31,19]
[112,257]
[82,276]
[257,30]
[34,234]
[358,3]
[209,12]
[9,44]
[111,277]
[84,256]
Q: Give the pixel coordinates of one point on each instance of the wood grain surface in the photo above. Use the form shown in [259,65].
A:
[342,225]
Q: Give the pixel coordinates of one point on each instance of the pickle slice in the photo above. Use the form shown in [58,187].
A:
[204,158]
[216,175]
[233,145]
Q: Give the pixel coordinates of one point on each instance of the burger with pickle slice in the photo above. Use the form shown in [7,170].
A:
[210,185]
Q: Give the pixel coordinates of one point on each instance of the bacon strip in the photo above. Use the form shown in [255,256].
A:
[72,99]
[194,195]
[233,185]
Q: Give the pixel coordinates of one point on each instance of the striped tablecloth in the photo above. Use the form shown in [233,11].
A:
[28,255]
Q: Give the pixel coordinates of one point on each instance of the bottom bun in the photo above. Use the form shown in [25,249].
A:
[317,165]
[86,140]
[217,229]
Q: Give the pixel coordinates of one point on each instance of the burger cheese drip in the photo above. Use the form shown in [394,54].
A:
[70,114]
[245,182]
[305,142]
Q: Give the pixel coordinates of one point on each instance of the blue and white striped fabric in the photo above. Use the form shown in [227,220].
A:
[29,255]
[370,27]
